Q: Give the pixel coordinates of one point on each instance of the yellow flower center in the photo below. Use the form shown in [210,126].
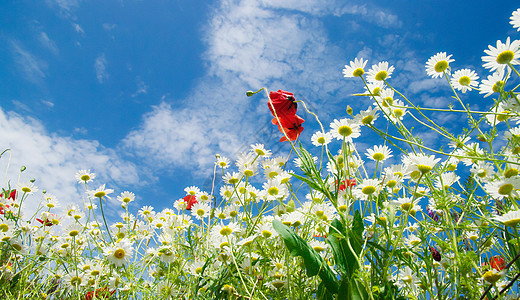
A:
[424,168]
[73,232]
[119,253]
[345,130]
[85,177]
[441,66]
[126,200]
[4,227]
[26,189]
[367,120]
[391,183]
[376,91]
[505,189]
[273,191]
[464,80]
[498,86]
[505,57]
[321,140]
[75,281]
[511,172]
[406,206]
[387,101]
[398,112]
[267,233]
[200,212]
[491,276]
[259,152]
[226,230]
[100,194]
[318,248]
[368,190]
[378,156]
[358,72]
[381,75]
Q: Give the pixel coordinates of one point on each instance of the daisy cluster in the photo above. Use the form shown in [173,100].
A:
[364,224]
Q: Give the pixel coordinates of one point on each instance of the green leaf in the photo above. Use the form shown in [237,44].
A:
[310,183]
[314,264]
[511,243]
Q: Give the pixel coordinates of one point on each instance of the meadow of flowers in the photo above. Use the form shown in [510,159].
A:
[440,224]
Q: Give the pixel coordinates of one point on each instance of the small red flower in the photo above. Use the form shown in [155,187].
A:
[497,262]
[347,183]
[283,102]
[12,196]
[190,200]
[101,293]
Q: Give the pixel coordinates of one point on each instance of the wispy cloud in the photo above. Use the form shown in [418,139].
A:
[65,7]
[53,160]
[100,67]
[142,88]
[29,65]
[249,46]
[48,43]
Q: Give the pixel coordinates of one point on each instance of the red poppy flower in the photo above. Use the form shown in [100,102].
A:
[12,196]
[291,125]
[497,262]
[283,103]
[347,183]
[101,293]
[190,200]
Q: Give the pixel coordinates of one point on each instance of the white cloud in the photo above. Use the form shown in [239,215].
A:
[47,103]
[142,88]
[53,160]
[29,65]
[48,43]
[249,46]
[78,28]
[100,67]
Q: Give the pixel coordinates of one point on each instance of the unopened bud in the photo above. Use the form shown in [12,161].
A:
[249,93]
[22,168]
[350,111]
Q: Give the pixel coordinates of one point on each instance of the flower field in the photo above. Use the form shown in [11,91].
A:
[322,223]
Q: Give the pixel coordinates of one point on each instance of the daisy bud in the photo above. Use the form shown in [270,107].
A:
[249,93]
[22,168]
[350,111]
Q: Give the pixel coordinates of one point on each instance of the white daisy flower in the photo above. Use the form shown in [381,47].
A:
[504,53]
[368,116]
[446,180]
[379,153]
[126,197]
[27,188]
[464,80]
[374,88]
[200,210]
[355,69]
[222,162]
[100,192]
[345,129]
[84,176]
[120,253]
[320,139]
[380,72]
[515,19]
[493,84]
[260,150]
[438,64]
[503,187]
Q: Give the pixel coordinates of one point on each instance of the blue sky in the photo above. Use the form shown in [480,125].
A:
[144,93]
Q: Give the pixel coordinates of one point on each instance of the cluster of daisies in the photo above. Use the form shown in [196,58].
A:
[425,230]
